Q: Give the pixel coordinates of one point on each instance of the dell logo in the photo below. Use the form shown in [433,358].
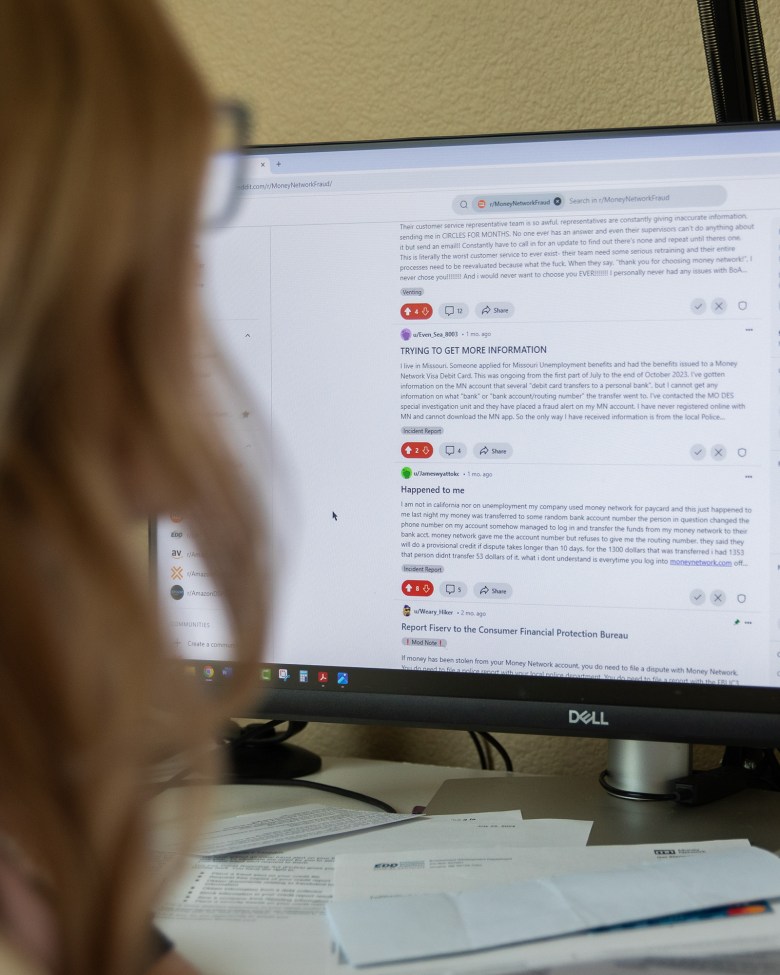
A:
[588,717]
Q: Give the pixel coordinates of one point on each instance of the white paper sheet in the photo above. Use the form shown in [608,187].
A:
[392,929]
[250,886]
[461,868]
[281,827]
[295,939]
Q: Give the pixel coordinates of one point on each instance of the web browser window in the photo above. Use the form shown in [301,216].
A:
[524,401]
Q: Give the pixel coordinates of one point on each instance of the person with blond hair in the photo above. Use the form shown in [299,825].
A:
[106,134]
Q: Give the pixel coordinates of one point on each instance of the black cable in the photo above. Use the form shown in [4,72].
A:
[627,794]
[765,109]
[495,743]
[323,787]
[181,779]
[262,731]
[483,762]
[483,737]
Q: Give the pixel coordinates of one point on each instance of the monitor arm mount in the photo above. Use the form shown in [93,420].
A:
[736,61]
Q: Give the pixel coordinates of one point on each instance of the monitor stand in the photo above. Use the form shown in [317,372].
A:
[654,770]
[645,770]
[260,752]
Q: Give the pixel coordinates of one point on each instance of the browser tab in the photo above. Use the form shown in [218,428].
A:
[258,166]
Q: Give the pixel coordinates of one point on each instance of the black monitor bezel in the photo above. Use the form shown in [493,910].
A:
[642,710]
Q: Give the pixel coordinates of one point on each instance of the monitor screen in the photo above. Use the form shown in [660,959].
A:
[523,399]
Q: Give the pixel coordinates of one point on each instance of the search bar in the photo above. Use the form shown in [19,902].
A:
[505,202]
[633,198]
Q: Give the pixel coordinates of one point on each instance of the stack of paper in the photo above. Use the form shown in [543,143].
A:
[491,878]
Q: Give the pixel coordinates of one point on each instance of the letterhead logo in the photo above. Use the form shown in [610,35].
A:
[588,717]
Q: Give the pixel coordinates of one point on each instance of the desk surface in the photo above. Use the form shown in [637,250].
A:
[292,943]
[752,814]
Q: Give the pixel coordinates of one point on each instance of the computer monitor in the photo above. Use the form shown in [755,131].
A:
[523,399]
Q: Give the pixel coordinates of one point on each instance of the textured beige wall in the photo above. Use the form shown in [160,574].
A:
[356,69]
[351,69]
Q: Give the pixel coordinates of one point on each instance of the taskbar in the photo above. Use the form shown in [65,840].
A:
[272,675]
[405,682]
